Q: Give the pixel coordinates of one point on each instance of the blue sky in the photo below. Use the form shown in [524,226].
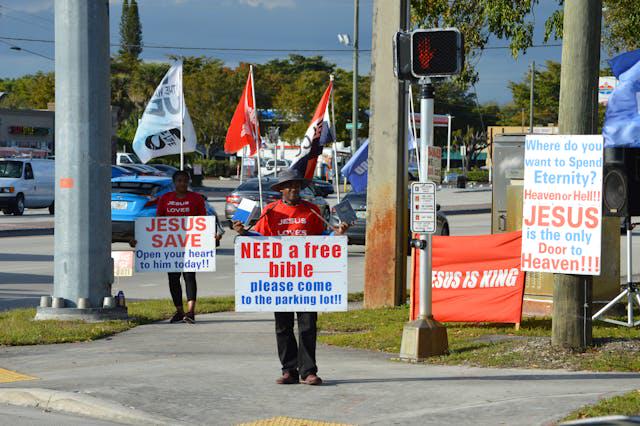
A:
[261,24]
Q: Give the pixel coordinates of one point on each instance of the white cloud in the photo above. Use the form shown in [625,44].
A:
[269,4]
[30,6]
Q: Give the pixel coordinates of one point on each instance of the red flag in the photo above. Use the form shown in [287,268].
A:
[317,136]
[244,128]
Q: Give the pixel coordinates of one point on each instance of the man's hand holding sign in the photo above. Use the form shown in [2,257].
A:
[286,266]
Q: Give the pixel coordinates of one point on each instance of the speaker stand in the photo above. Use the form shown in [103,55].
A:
[631,290]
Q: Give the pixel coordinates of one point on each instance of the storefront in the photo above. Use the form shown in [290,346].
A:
[26,131]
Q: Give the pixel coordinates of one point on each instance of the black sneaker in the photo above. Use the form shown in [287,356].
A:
[190,318]
[177,317]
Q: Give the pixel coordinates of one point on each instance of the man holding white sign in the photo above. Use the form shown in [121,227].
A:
[180,240]
[288,217]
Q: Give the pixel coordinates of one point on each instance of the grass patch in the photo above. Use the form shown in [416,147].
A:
[18,328]
[623,405]
[487,345]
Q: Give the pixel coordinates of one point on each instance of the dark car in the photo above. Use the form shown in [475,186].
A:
[250,190]
[117,171]
[164,168]
[323,188]
[142,170]
[357,231]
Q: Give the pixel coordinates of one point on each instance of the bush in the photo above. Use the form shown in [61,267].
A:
[214,168]
[478,175]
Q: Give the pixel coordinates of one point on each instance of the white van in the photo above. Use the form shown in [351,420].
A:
[125,158]
[26,183]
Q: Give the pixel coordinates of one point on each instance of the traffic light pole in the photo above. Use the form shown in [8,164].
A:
[425,336]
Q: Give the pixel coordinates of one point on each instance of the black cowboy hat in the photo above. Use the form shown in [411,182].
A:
[287,176]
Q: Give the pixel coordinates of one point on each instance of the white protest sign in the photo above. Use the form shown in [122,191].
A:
[122,263]
[176,244]
[562,206]
[291,274]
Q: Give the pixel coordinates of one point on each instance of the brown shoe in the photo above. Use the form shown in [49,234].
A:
[288,379]
[312,380]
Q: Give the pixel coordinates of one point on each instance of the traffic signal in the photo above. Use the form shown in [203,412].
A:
[428,53]
[436,53]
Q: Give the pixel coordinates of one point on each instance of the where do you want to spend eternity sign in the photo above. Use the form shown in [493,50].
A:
[176,244]
[291,274]
[562,205]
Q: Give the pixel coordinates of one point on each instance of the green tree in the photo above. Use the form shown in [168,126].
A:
[621,29]
[546,97]
[478,20]
[30,91]
[130,31]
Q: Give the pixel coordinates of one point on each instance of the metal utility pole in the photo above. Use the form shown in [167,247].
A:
[533,78]
[572,294]
[354,112]
[387,214]
[83,269]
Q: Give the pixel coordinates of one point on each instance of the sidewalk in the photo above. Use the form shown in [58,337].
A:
[222,371]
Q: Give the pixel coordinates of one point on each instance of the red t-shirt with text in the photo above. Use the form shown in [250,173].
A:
[191,204]
[284,220]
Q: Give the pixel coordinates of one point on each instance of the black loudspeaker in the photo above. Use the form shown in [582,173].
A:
[621,182]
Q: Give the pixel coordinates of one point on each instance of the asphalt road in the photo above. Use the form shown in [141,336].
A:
[26,267]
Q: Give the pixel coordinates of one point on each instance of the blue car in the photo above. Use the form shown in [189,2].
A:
[137,196]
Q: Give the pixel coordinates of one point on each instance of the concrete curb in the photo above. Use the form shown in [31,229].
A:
[80,404]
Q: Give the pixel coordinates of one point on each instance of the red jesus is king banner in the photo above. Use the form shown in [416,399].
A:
[475,279]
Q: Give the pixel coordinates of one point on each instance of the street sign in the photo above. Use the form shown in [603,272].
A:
[349,126]
[423,207]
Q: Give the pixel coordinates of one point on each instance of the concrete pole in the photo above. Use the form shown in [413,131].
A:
[354,112]
[387,202]
[578,111]
[533,73]
[82,262]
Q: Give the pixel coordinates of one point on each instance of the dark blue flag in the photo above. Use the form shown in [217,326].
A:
[356,169]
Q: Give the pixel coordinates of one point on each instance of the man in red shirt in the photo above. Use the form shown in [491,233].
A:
[292,216]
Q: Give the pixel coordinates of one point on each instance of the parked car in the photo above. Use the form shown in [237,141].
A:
[143,170]
[357,231]
[323,188]
[26,183]
[137,196]
[250,190]
[117,171]
[165,168]
[268,167]
[124,158]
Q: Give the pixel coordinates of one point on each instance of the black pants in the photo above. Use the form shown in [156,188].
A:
[296,358]
[176,289]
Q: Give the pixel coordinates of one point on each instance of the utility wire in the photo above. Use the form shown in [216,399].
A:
[245,49]
[22,49]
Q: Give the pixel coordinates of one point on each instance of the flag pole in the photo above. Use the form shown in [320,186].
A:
[335,142]
[181,122]
[256,135]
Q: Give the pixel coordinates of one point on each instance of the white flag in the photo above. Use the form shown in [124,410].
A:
[158,132]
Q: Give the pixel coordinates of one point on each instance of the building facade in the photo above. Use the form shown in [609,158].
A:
[27,131]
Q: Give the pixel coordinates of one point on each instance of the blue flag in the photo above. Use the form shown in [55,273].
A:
[356,169]
[622,63]
[622,120]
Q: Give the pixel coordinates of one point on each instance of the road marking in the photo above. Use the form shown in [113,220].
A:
[8,376]
[288,421]
[149,285]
